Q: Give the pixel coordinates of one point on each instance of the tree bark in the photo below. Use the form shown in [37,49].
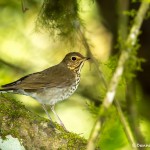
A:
[34,132]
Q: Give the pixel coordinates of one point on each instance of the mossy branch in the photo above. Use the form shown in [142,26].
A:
[116,102]
[33,131]
[129,44]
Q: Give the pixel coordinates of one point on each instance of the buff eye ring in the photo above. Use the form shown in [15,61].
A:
[73,58]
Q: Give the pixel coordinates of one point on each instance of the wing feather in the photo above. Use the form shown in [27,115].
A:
[52,77]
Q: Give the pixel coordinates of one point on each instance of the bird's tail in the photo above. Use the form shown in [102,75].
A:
[6,90]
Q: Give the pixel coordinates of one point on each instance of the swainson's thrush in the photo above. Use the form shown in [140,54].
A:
[51,85]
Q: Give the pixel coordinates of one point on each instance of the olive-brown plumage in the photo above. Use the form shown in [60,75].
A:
[51,85]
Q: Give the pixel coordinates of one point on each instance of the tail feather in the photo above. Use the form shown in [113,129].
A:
[6,90]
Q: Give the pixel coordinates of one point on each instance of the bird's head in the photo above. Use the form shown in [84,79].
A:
[74,61]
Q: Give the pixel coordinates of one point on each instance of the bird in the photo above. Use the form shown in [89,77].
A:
[51,85]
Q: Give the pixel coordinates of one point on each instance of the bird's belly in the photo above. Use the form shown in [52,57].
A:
[53,95]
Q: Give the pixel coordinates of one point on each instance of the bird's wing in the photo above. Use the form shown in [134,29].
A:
[52,77]
[31,81]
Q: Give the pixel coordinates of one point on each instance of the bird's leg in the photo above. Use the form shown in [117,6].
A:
[44,107]
[51,122]
[61,123]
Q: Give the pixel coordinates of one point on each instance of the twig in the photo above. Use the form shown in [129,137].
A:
[130,42]
[130,86]
[23,6]
[132,110]
[125,124]
[12,66]
[89,53]
[116,102]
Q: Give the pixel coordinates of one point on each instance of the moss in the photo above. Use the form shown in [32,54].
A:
[33,130]
[59,19]
[73,140]
[12,110]
[42,148]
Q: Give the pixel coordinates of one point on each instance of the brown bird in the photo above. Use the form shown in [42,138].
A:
[51,85]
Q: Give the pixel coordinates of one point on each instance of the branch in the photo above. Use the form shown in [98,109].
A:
[116,102]
[33,131]
[89,53]
[130,89]
[132,111]
[23,5]
[16,68]
[130,43]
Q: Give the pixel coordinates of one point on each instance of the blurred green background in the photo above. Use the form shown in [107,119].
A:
[24,50]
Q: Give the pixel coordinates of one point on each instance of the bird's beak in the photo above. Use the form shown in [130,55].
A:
[86,58]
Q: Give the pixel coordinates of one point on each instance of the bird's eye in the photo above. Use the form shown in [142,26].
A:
[73,58]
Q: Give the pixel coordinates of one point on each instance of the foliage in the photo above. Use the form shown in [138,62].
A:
[112,136]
